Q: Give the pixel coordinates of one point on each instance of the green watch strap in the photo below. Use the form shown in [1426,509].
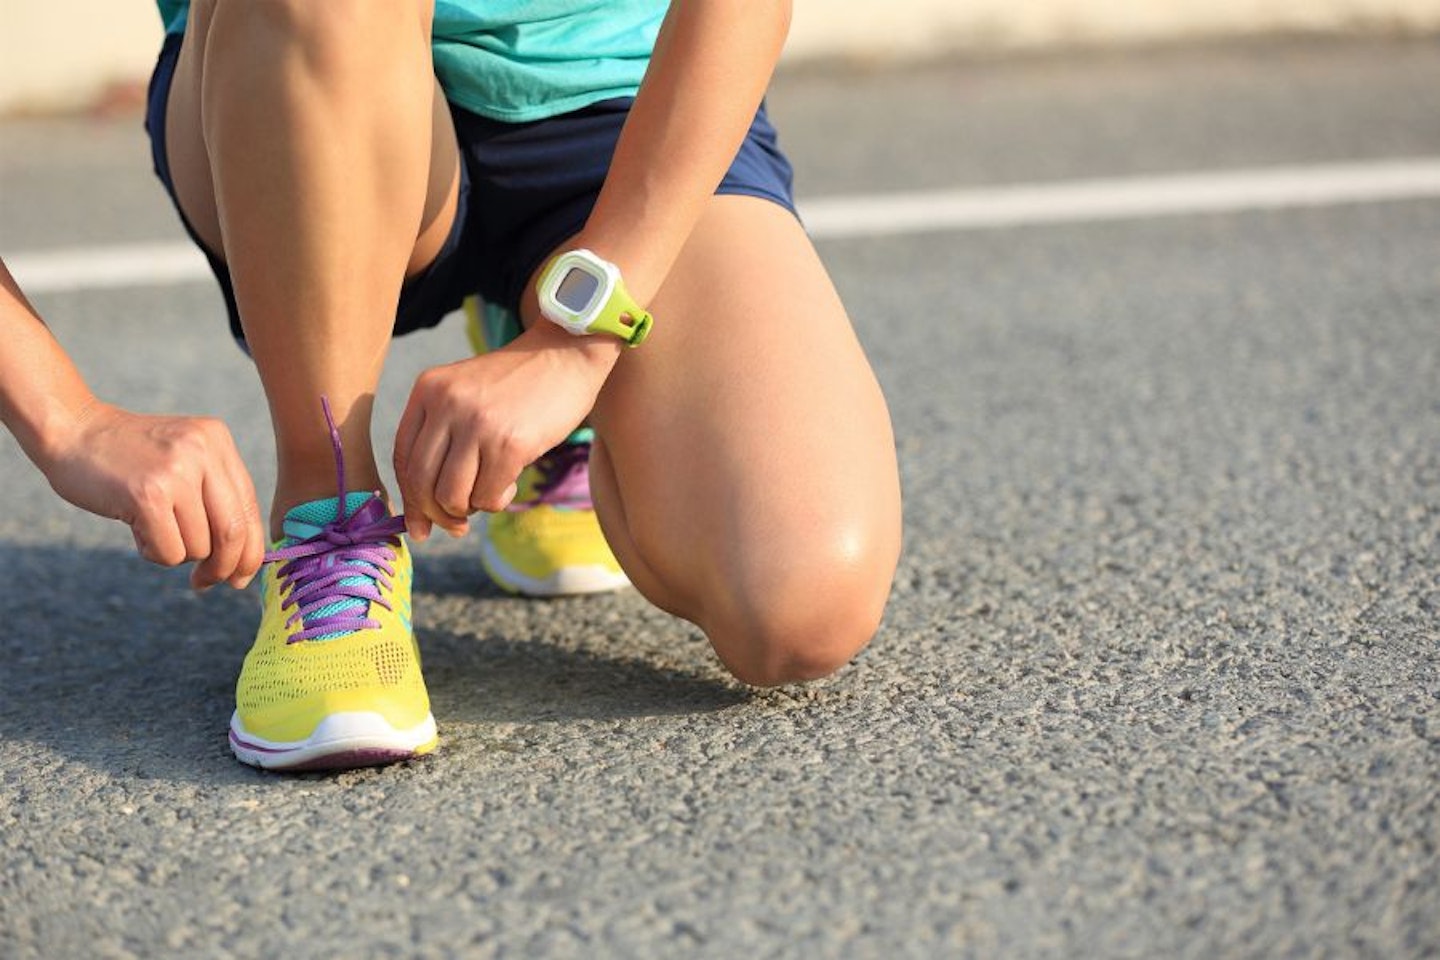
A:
[609,319]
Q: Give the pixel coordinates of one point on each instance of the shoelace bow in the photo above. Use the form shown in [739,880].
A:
[564,478]
[349,559]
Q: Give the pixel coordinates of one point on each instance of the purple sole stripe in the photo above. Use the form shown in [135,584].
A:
[246,744]
[344,759]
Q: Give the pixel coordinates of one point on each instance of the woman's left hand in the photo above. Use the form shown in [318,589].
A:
[470,427]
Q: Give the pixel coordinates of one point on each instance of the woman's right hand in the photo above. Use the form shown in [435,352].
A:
[177,482]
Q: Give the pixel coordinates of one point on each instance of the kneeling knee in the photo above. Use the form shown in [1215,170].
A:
[803,632]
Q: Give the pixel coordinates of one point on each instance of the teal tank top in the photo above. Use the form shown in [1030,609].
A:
[518,60]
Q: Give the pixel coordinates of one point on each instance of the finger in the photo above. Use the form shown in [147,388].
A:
[495,486]
[423,464]
[452,489]
[157,535]
[453,527]
[226,522]
[457,478]
[194,527]
[507,497]
[252,553]
[243,513]
[431,451]
[407,435]
[417,527]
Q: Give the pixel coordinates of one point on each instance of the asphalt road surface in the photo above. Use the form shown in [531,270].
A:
[1159,677]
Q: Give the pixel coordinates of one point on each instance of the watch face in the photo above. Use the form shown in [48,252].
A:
[577,290]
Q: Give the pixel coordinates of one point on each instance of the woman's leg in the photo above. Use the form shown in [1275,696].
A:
[746,471]
[311,148]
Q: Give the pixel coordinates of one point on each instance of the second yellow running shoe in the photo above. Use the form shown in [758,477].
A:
[549,542]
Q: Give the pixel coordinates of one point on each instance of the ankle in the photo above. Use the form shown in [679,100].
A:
[318,465]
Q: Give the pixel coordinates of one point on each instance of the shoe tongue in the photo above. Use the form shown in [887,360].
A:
[305,520]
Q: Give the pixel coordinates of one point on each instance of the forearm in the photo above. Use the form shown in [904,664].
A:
[711,66]
[43,398]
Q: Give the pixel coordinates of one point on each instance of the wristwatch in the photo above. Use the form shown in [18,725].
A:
[584,294]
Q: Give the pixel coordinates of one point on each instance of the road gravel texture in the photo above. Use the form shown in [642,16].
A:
[1159,677]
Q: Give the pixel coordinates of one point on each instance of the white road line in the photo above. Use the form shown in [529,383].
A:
[102,268]
[890,214]
[1094,201]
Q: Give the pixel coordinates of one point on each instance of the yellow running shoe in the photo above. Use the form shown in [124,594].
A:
[548,543]
[333,680]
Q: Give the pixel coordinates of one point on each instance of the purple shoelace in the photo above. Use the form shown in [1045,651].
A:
[336,574]
[564,479]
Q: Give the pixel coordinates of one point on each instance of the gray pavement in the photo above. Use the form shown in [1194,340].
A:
[1159,676]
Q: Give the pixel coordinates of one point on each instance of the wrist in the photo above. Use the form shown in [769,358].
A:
[49,434]
[595,356]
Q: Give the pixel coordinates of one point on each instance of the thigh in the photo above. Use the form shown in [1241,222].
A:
[748,470]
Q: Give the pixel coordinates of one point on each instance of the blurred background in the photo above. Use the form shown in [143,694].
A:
[72,54]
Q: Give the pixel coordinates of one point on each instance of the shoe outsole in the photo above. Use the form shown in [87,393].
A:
[341,741]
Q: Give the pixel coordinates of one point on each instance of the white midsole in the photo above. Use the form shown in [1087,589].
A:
[336,733]
[592,578]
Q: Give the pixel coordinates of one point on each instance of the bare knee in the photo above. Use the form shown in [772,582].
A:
[803,629]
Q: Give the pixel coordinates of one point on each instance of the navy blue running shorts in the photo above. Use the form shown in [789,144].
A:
[525,188]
